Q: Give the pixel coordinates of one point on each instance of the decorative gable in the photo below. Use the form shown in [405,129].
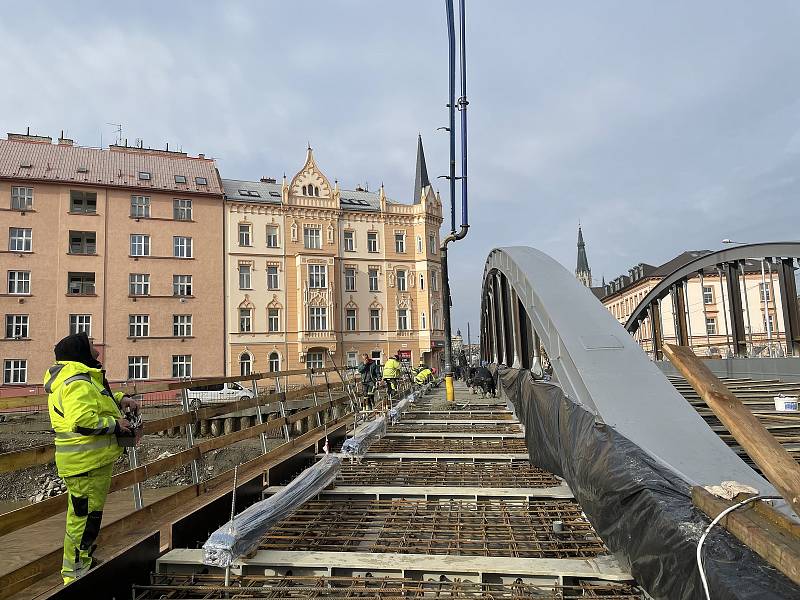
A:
[310,181]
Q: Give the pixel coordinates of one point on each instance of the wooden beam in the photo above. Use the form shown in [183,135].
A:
[773,460]
[758,526]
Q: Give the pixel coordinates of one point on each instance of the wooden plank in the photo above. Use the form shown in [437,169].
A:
[774,461]
[777,545]
[21,459]
[148,388]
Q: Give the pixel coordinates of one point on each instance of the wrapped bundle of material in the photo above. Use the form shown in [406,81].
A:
[394,414]
[356,446]
[240,537]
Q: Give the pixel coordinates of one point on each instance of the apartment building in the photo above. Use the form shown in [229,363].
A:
[123,243]
[313,268]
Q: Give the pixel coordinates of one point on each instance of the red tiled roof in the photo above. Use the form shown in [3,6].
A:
[116,166]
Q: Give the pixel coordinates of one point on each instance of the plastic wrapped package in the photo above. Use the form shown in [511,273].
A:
[394,414]
[240,537]
[356,446]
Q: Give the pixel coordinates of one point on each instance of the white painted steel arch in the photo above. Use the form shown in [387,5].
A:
[599,365]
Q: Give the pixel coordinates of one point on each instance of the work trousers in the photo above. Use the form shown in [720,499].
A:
[87,496]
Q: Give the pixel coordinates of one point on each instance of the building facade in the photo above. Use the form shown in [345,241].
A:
[123,243]
[313,269]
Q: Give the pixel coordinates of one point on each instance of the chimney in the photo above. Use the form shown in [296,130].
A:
[267,180]
[62,141]
[201,156]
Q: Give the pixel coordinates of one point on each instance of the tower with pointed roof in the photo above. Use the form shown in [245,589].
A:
[582,270]
[421,180]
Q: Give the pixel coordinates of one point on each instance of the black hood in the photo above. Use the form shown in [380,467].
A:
[77,348]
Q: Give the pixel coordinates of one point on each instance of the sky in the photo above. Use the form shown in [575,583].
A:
[660,127]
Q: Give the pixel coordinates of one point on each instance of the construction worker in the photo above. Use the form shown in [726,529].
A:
[86,417]
[370,376]
[391,372]
[422,377]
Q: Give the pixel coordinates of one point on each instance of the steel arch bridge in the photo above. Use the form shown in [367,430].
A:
[728,263]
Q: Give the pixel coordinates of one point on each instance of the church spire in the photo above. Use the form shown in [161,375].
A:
[582,270]
[421,181]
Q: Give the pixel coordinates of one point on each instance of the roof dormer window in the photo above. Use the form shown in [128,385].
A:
[82,170]
[144,176]
[25,165]
[180,178]
[201,181]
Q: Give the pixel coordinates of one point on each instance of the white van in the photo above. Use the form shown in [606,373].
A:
[218,393]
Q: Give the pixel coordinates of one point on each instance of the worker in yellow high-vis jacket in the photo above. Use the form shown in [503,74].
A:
[87,417]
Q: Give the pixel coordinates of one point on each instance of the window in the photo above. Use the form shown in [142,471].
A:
[181,366]
[140,207]
[20,239]
[21,198]
[376,356]
[432,243]
[350,319]
[352,359]
[140,244]
[245,320]
[19,282]
[245,237]
[437,319]
[764,290]
[145,176]
[244,277]
[82,202]
[139,284]
[180,178]
[708,295]
[374,319]
[421,281]
[312,237]
[201,181]
[181,285]
[138,325]
[349,279]
[435,281]
[273,320]
[372,241]
[82,242]
[349,241]
[373,280]
[273,282]
[711,325]
[80,324]
[401,281]
[402,319]
[182,209]
[315,360]
[423,322]
[181,246]
[317,276]
[419,244]
[274,362]
[16,326]
[245,364]
[138,367]
[317,318]
[769,324]
[15,370]
[80,284]
[182,325]
[400,242]
[272,236]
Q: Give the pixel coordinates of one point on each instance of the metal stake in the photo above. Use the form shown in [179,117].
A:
[137,487]
[260,417]
[190,435]
[282,405]
[314,394]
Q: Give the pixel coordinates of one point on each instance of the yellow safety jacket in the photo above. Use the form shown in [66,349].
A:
[391,370]
[423,375]
[83,415]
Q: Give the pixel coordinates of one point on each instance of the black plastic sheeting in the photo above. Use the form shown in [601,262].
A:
[641,509]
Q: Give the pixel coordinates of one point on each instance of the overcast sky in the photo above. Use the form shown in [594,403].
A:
[659,126]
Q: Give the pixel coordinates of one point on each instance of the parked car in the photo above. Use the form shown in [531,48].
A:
[218,393]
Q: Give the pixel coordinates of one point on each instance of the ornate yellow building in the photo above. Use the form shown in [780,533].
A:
[312,268]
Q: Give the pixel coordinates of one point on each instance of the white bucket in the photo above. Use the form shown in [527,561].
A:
[785,403]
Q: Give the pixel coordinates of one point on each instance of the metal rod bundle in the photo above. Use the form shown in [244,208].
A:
[241,535]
